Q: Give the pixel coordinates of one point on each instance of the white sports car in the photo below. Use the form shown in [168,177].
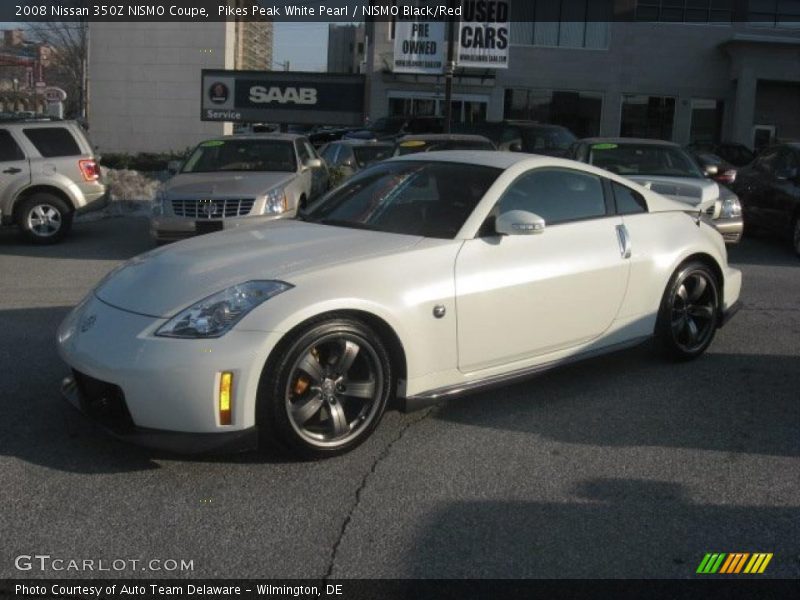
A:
[418,279]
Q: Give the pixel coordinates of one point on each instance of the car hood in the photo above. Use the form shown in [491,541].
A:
[238,184]
[163,282]
[699,193]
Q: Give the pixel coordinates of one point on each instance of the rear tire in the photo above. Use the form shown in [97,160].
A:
[326,389]
[44,218]
[689,313]
[796,235]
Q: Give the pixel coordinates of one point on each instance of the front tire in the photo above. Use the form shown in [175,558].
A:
[44,218]
[326,389]
[689,312]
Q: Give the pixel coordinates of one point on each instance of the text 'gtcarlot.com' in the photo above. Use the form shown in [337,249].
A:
[46,562]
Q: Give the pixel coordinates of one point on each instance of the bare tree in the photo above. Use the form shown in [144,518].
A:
[69,42]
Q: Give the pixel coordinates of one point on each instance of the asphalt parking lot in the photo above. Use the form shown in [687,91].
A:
[622,466]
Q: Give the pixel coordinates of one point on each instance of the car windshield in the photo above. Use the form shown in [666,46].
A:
[415,146]
[534,139]
[366,155]
[430,199]
[643,159]
[241,155]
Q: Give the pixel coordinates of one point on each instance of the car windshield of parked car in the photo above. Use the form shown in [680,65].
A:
[430,199]
[366,155]
[643,159]
[241,155]
[534,139]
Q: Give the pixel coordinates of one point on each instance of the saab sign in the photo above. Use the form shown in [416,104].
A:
[282,97]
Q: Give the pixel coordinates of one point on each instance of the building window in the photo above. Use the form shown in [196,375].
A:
[685,11]
[774,13]
[647,117]
[561,23]
[577,111]
[706,121]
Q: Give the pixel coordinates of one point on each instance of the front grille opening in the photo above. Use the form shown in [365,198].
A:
[104,402]
[217,208]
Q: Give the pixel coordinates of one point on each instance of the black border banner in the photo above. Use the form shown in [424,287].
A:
[187,11]
[730,588]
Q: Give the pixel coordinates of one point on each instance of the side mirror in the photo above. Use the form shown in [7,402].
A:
[515,147]
[711,170]
[519,222]
[786,174]
[312,163]
[174,166]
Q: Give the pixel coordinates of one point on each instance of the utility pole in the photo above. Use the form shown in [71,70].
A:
[449,68]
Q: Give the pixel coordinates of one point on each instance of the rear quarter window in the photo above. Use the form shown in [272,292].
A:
[53,142]
[9,150]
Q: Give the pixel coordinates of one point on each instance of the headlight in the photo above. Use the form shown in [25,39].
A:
[157,207]
[214,316]
[731,207]
[277,202]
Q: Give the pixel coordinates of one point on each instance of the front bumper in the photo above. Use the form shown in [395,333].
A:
[730,228]
[167,384]
[179,442]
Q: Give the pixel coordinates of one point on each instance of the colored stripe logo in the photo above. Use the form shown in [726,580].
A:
[734,563]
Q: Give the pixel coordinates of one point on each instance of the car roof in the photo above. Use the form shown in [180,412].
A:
[628,140]
[443,137]
[487,158]
[360,142]
[288,137]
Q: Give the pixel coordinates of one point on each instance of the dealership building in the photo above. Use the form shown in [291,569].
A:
[725,70]
[144,79]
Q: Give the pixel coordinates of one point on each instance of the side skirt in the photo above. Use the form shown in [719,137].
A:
[425,399]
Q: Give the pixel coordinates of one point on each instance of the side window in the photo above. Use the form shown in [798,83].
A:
[329,152]
[556,195]
[628,201]
[9,149]
[53,142]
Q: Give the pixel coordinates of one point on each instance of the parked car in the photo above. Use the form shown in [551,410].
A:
[325,135]
[715,167]
[235,180]
[350,156]
[738,155]
[770,192]
[412,144]
[48,173]
[523,136]
[668,169]
[419,278]
[392,128]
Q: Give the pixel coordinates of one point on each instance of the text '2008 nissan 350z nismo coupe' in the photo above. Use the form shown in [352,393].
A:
[416,280]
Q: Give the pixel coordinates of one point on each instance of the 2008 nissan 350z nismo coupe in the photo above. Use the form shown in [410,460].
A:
[415,280]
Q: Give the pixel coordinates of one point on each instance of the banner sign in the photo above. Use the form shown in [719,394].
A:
[419,45]
[484,34]
[282,97]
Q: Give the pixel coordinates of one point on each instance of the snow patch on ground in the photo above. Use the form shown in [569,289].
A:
[130,194]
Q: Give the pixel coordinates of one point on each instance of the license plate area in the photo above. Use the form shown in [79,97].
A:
[202,227]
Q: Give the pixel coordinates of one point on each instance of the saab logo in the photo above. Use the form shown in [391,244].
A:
[289,95]
[734,563]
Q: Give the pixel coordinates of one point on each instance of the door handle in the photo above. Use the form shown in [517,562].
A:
[624,240]
[12,170]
